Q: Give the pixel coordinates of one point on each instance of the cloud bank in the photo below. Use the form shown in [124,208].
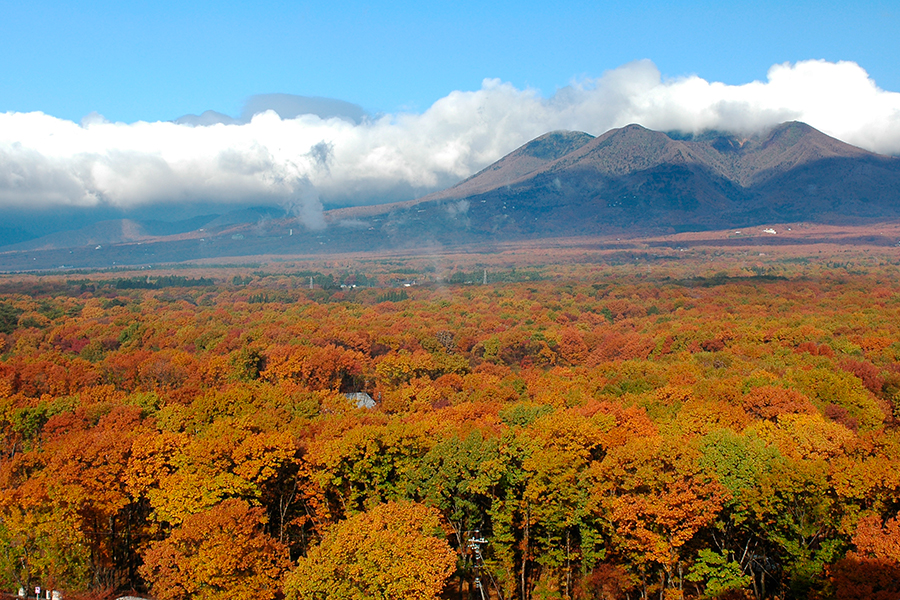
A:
[301,153]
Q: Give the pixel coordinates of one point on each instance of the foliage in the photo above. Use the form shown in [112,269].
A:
[218,554]
[392,551]
[720,574]
[682,429]
[9,317]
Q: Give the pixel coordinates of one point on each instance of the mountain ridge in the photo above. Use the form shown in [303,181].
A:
[634,176]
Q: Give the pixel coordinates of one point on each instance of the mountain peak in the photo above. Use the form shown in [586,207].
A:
[792,132]
[555,144]
[793,144]
[525,160]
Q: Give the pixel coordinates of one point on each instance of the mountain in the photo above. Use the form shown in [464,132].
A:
[640,180]
[630,180]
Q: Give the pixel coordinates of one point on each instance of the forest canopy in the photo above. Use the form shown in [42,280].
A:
[720,428]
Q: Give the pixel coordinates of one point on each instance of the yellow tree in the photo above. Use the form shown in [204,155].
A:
[182,475]
[396,551]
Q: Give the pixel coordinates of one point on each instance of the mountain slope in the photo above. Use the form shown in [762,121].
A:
[104,232]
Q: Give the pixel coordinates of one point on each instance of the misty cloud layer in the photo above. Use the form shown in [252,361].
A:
[296,160]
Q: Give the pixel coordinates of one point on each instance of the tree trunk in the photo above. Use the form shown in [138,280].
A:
[525,552]
[568,593]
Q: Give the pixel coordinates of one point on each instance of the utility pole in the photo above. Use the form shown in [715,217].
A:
[475,544]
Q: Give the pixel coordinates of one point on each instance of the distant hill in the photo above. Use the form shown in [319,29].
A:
[630,181]
[124,231]
[104,232]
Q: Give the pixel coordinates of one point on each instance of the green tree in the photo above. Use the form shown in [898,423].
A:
[739,462]
[719,573]
[9,317]
[42,545]
[800,519]
[368,465]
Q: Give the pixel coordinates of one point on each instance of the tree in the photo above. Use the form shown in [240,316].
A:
[872,572]
[219,554]
[563,533]
[42,545]
[720,574]
[396,551]
[182,475]
[450,477]
[368,464]
[9,317]
[654,498]
[857,577]
[801,521]
[739,462]
[85,474]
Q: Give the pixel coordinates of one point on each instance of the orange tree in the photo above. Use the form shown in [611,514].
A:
[218,554]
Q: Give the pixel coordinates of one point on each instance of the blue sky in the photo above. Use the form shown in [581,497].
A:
[159,60]
[88,90]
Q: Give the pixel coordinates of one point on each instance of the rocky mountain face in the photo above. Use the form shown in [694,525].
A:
[635,179]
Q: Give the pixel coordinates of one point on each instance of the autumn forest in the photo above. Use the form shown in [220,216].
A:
[699,424]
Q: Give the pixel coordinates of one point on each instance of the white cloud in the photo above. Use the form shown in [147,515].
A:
[45,161]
